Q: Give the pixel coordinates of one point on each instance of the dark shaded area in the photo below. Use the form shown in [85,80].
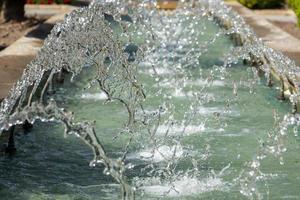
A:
[12,9]
[131,49]
[109,18]
[41,31]
[80,3]
[11,149]
[126,18]
[2,47]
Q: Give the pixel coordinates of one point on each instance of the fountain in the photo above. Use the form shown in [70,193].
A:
[173,104]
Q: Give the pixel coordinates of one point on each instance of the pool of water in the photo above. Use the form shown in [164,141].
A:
[211,121]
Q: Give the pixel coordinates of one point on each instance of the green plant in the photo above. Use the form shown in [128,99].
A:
[262,4]
[295,5]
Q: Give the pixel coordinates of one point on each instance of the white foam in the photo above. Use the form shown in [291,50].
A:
[180,93]
[95,96]
[180,129]
[160,71]
[212,110]
[162,153]
[146,64]
[208,110]
[201,82]
[244,131]
[184,186]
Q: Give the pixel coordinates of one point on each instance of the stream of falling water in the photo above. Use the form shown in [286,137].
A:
[164,101]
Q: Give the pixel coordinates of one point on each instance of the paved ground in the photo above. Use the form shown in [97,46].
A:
[14,58]
[280,15]
[272,35]
[283,18]
[46,11]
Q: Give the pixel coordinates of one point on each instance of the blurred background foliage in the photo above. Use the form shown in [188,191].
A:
[263,4]
[295,5]
[268,4]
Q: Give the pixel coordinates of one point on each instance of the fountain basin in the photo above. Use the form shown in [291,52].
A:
[190,108]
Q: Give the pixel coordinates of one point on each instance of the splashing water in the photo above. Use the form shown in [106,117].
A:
[157,96]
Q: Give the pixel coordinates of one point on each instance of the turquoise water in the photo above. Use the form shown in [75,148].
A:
[215,130]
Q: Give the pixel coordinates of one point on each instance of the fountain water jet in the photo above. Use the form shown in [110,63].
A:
[129,59]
